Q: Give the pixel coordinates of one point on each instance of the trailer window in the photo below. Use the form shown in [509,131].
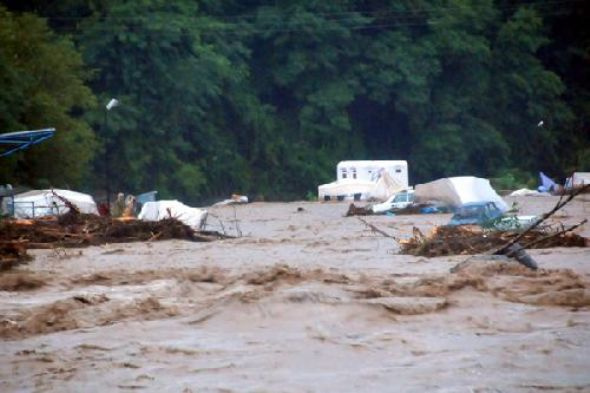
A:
[344,175]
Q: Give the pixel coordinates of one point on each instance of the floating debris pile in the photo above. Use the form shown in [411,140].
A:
[463,240]
[74,229]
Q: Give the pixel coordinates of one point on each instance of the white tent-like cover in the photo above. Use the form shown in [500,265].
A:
[457,191]
[159,210]
[40,203]
[386,186]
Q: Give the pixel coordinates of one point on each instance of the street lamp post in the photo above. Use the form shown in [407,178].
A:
[107,173]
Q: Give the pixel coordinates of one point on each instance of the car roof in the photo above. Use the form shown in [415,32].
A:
[471,204]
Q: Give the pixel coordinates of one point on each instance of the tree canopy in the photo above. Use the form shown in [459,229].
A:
[42,85]
[222,97]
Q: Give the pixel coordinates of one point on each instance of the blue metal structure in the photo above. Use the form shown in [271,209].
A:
[12,142]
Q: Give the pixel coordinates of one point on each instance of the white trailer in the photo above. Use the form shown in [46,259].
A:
[370,170]
[360,180]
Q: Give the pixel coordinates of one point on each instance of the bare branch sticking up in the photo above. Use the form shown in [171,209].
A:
[376,230]
[73,208]
[561,203]
[559,233]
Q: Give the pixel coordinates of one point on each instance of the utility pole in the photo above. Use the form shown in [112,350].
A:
[107,173]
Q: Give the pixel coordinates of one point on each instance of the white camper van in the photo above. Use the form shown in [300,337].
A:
[370,170]
[361,180]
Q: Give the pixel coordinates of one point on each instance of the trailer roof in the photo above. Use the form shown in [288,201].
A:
[372,163]
[12,142]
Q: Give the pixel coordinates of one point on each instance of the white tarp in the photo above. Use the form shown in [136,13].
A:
[39,203]
[159,210]
[457,191]
[386,186]
[383,188]
[234,200]
[527,192]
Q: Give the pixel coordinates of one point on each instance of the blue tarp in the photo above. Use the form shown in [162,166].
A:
[547,183]
[14,141]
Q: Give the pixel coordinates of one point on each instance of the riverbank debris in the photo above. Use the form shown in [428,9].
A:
[75,229]
[469,240]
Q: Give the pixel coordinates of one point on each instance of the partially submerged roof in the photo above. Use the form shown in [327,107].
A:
[12,142]
[578,179]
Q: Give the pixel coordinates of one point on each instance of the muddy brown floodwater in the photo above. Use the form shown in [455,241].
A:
[305,301]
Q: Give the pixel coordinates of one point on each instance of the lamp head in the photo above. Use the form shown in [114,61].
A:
[112,103]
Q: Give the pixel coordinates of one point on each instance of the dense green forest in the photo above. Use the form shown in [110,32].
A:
[265,97]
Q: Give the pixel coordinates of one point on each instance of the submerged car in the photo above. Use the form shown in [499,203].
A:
[487,214]
[476,213]
[400,200]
